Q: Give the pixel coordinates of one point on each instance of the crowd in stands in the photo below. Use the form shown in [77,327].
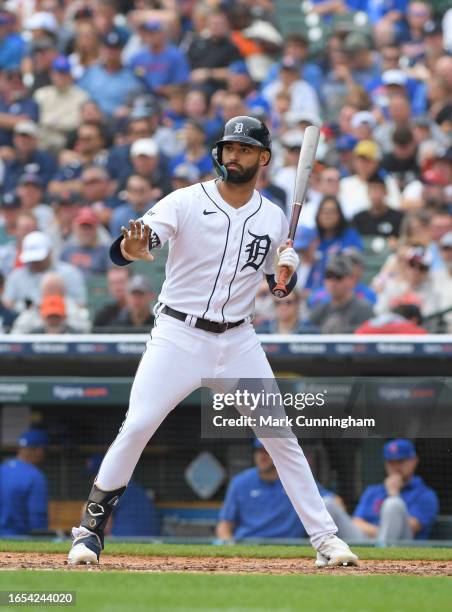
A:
[108,105]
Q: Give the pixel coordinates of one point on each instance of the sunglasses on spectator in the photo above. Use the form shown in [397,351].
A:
[446,248]
[416,265]
[418,12]
[333,276]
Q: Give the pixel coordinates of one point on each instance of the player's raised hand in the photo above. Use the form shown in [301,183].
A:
[135,242]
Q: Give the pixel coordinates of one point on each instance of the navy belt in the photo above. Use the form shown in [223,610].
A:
[210,326]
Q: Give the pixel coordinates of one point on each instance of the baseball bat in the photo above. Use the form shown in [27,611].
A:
[305,164]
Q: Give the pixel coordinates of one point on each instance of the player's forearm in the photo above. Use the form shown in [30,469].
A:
[367,528]
[225,530]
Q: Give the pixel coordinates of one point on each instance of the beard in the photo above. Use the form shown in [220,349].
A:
[240,177]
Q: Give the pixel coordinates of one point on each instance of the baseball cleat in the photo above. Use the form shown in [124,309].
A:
[86,547]
[335,552]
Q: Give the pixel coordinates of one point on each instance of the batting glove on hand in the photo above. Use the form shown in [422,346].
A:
[286,256]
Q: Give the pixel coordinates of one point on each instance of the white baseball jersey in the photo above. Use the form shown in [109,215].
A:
[217,254]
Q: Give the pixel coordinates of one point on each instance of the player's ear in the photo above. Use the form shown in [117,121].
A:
[264,158]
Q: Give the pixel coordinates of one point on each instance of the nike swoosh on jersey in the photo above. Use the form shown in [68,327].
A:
[209,212]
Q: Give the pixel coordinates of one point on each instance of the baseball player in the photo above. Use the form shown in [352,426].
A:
[223,236]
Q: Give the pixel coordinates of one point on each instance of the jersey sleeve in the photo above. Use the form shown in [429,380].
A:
[230,508]
[165,217]
[281,239]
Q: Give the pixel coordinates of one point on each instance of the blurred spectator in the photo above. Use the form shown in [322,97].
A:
[53,317]
[185,175]
[239,81]
[117,281]
[362,291]
[137,312]
[12,45]
[27,158]
[379,219]
[10,252]
[52,284]
[418,14]
[59,106]
[327,185]
[195,151]
[135,514]
[23,487]
[268,189]
[353,190]
[344,311]
[7,316]
[85,48]
[139,198]
[414,283]
[65,207]
[399,112]
[334,231]
[97,192]
[159,64]
[9,213]
[87,254]
[401,162]
[23,285]
[285,177]
[256,505]
[403,507]
[211,52]
[38,66]
[108,82]
[303,96]
[16,104]
[89,150]
[402,319]
[30,191]
[442,278]
[287,318]
[148,163]
[309,274]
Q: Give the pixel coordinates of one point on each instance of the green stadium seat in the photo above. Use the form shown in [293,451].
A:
[98,295]
[376,251]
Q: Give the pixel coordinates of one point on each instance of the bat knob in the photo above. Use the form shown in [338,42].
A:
[280,292]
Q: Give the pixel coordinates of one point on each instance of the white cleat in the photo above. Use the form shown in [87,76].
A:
[335,552]
[86,547]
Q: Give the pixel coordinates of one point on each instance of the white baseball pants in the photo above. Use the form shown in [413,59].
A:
[176,359]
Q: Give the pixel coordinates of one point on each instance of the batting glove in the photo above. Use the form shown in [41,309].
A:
[287,257]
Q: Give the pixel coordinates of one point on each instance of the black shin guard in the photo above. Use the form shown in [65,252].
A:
[98,509]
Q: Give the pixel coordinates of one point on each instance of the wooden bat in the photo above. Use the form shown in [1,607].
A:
[305,164]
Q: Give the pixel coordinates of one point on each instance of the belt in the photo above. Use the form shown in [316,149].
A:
[210,326]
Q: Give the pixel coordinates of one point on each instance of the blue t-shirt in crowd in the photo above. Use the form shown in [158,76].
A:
[421,502]
[169,67]
[39,162]
[23,498]
[122,215]
[135,514]
[90,260]
[321,296]
[109,89]
[12,49]
[204,164]
[25,106]
[331,246]
[260,508]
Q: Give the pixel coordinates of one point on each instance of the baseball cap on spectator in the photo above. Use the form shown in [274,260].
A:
[26,128]
[53,305]
[339,265]
[362,118]
[31,179]
[292,139]
[265,31]
[151,25]
[42,44]
[85,216]
[10,200]
[346,142]
[144,146]
[239,67]
[33,438]
[356,41]
[434,177]
[398,450]
[42,20]
[394,77]
[368,149]
[36,246]
[138,284]
[304,237]
[187,172]
[61,64]
[446,241]
[256,444]
[419,255]
[114,39]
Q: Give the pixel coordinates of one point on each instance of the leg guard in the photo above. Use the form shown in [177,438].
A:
[99,506]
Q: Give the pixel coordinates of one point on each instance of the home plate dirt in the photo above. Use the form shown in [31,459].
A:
[220,565]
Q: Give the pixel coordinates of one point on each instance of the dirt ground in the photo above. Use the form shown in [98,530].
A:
[221,565]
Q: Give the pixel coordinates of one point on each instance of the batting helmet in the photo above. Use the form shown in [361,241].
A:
[247,130]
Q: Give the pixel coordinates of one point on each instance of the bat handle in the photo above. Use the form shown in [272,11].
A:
[280,290]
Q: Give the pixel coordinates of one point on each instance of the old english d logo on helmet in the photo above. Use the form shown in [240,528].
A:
[247,130]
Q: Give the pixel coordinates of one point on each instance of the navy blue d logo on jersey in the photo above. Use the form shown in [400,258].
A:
[257,251]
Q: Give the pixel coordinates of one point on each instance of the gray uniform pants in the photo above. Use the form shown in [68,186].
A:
[394,523]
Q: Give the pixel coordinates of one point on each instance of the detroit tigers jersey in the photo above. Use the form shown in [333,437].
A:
[217,254]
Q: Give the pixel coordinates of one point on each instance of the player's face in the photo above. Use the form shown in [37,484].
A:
[242,161]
